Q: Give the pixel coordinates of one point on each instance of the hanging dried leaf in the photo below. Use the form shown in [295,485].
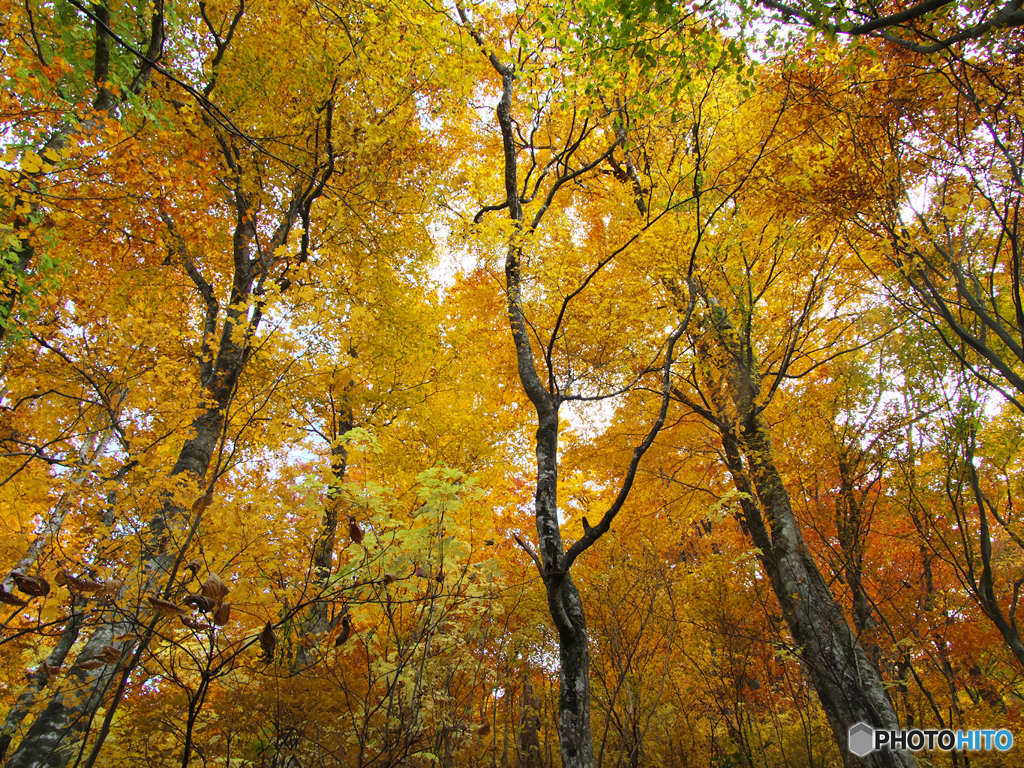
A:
[214,588]
[110,655]
[200,603]
[9,599]
[88,585]
[65,578]
[165,607]
[421,572]
[91,664]
[388,578]
[483,730]
[111,587]
[36,586]
[346,631]
[199,626]
[194,565]
[223,615]
[268,642]
[354,531]
[489,542]
[439,577]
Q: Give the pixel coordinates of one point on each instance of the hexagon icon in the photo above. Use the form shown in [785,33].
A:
[862,739]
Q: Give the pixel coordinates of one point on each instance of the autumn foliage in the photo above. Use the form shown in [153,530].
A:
[591,384]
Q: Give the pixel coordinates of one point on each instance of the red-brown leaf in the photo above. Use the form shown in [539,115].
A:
[214,588]
[268,642]
[36,586]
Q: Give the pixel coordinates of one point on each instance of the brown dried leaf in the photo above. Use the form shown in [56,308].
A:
[194,565]
[111,587]
[62,577]
[91,664]
[483,730]
[346,631]
[223,615]
[202,502]
[36,586]
[165,607]
[214,588]
[200,626]
[354,531]
[11,599]
[268,642]
[439,577]
[85,584]
[421,572]
[110,655]
[200,603]
[388,578]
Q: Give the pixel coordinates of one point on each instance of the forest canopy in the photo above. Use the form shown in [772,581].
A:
[595,384]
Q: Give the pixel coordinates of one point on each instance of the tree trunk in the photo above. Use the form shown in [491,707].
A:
[529,725]
[316,621]
[847,683]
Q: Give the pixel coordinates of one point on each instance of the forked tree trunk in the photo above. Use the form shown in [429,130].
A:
[553,561]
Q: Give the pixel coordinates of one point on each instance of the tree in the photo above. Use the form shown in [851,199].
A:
[240,223]
[924,27]
[567,144]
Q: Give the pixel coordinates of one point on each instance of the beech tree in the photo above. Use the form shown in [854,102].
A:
[537,170]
